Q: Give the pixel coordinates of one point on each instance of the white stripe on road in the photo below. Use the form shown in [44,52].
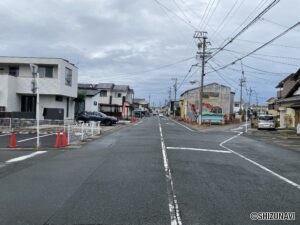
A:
[21,158]
[5,135]
[35,137]
[238,128]
[198,149]
[183,126]
[257,164]
[173,205]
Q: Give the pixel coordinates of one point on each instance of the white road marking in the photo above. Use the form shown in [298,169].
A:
[2,135]
[35,137]
[257,164]
[183,126]
[238,128]
[173,205]
[198,149]
[21,158]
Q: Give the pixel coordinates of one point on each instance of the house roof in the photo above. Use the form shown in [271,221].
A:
[207,85]
[105,85]
[86,86]
[91,92]
[290,99]
[122,88]
[291,76]
[22,57]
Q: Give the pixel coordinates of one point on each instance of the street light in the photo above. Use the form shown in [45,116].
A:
[35,89]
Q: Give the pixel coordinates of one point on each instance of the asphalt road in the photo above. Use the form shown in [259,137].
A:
[153,172]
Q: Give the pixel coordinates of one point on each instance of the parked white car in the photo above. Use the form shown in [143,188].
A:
[266,122]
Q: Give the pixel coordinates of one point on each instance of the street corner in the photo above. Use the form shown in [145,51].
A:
[286,138]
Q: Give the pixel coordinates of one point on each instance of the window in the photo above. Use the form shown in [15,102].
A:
[118,95]
[58,98]
[45,71]
[67,113]
[68,77]
[13,70]
[103,93]
[28,103]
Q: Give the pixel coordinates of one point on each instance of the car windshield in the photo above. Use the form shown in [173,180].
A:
[266,117]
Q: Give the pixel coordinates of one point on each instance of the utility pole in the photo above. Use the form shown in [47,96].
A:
[242,80]
[36,90]
[202,44]
[175,93]
[175,88]
[169,105]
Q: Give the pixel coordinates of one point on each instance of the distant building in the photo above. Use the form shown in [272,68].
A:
[141,107]
[238,106]
[57,87]
[108,98]
[217,98]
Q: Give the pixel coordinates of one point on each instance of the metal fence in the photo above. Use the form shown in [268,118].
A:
[76,132]
[82,131]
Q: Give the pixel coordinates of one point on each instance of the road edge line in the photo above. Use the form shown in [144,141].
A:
[257,164]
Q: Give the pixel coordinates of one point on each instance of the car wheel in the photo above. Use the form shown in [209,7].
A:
[108,123]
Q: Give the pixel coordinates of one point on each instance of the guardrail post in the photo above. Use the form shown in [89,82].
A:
[10,126]
[92,128]
[99,127]
[82,131]
[69,133]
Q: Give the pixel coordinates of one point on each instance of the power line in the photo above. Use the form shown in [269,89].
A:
[260,47]
[204,14]
[246,27]
[225,18]
[186,76]
[272,56]
[211,14]
[178,17]
[182,11]
[275,23]
[278,45]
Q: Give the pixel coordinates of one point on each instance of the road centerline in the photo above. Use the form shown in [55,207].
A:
[173,205]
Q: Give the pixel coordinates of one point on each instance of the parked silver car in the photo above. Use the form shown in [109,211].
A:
[266,122]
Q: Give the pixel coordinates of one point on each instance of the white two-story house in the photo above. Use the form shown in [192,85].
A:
[109,97]
[57,85]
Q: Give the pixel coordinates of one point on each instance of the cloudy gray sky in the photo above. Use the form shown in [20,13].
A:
[146,43]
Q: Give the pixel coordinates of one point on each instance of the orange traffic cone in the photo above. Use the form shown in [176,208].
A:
[64,141]
[13,140]
[57,143]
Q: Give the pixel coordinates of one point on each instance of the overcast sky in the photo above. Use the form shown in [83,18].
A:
[146,43]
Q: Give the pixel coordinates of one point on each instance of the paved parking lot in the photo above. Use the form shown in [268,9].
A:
[284,138]
[47,140]
[29,140]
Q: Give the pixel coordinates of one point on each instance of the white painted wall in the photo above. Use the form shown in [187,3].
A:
[89,103]
[11,88]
